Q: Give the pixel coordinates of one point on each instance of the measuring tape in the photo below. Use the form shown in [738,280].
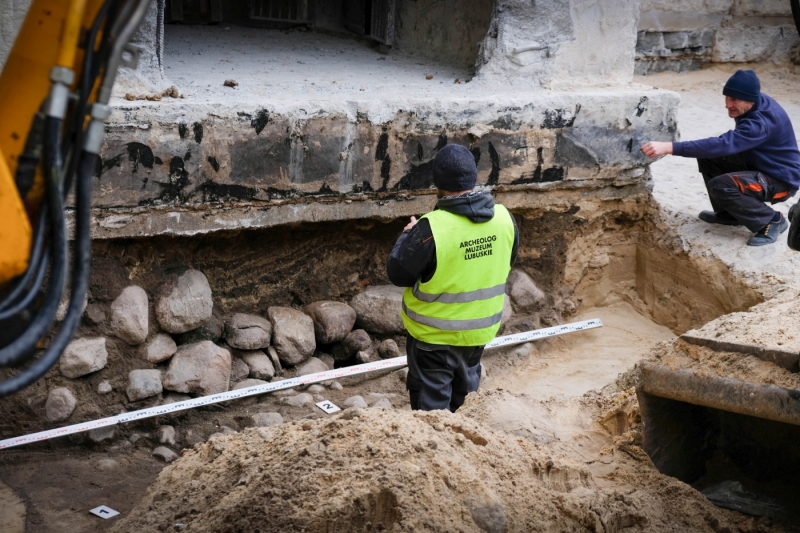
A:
[309,379]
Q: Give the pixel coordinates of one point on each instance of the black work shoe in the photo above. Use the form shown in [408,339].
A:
[718,218]
[770,233]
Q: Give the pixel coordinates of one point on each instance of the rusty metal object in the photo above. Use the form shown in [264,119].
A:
[784,359]
[762,401]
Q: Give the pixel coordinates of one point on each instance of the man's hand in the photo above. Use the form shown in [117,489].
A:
[657,149]
[411,224]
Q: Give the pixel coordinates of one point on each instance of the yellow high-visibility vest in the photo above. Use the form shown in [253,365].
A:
[462,303]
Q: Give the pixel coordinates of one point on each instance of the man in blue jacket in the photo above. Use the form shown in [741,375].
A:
[756,162]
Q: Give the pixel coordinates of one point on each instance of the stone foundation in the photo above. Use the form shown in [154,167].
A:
[688,34]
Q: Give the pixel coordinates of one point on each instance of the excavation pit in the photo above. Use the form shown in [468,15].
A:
[288,194]
[589,262]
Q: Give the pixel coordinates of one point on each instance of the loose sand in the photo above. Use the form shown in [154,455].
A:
[378,470]
[574,364]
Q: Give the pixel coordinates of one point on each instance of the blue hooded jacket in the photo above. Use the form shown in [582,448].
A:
[764,135]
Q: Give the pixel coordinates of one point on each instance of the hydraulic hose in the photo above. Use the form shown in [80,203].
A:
[80,281]
[118,20]
[37,251]
[89,73]
[25,344]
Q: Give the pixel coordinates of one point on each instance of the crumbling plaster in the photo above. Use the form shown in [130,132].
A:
[561,43]
[445,30]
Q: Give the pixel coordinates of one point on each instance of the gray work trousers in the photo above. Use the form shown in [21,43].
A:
[440,376]
[738,190]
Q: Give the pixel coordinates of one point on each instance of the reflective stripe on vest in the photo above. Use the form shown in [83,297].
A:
[462,303]
[460,297]
[453,325]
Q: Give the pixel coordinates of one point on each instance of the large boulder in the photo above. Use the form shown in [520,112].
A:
[355,401]
[60,404]
[298,400]
[332,320]
[259,363]
[292,334]
[378,309]
[251,382]
[160,348]
[165,454]
[356,341]
[203,368]
[524,292]
[211,330]
[248,332]
[143,384]
[129,320]
[101,434]
[239,370]
[388,349]
[83,356]
[312,366]
[272,353]
[508,313]
[184,302]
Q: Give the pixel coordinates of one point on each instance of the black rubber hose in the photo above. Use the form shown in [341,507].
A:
[796,13]
[89,75]
[37,251]
[25,344]
[81,265]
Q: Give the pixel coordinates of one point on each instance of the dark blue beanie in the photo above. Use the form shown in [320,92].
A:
[454,169]
[743,85]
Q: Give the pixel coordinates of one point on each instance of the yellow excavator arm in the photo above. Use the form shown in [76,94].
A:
[49,37]
[54,94]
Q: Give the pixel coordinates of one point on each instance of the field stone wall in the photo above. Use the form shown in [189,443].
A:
[686,34]
[256,272]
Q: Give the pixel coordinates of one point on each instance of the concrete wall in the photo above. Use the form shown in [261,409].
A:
[12,13]
[561,43]
[148,78]
[445,30]
[185,169]
[685,34]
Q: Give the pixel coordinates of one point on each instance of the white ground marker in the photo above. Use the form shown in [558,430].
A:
[386,364]
[104,512]
[328,407]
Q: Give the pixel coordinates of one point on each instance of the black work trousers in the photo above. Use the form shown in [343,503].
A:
[439,376]
[736,188]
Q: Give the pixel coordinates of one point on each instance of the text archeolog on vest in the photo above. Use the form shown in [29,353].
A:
[478,247]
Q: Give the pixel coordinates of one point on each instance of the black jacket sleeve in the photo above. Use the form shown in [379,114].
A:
[515,248]
[413,256]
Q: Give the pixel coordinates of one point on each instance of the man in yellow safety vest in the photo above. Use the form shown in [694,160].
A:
[454,263]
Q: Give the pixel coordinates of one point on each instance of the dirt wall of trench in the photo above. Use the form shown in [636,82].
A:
[581,253]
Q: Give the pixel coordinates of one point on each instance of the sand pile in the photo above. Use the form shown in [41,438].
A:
[384,470]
